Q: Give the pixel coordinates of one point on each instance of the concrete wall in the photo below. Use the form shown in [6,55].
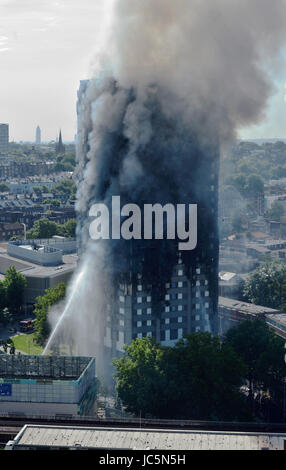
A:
[46,257]
[36,285]
[44,409]
[34,391]
[66,245]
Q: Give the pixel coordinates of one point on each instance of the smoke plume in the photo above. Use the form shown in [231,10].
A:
[171,83]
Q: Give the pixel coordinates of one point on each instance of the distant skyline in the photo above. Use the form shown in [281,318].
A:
[46,48]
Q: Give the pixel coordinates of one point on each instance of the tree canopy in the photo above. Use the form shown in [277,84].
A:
[276,211]
[197,379]
[13,287]
[262,352]
[266,285]
[204,377]
[4,188]
[66,187]
[45,228]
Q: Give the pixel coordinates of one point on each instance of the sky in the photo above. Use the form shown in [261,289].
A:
[46,48]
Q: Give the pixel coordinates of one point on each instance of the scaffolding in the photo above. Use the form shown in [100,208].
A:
[43,367]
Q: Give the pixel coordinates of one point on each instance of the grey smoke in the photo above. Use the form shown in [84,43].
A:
[205,65]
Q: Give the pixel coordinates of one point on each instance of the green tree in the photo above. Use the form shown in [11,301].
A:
[40,189]
[14,284]
[254,184]
[262,353]
[266,285]
[69,228]
[140,381]
[205,377]
[3,303]
[239,182]
[197,379]
[5,316]
[42,228]
[276,212]
[12,348]
[43,304]
[4,188]
[237,223]
[66,187]
[52,202]
[15,238]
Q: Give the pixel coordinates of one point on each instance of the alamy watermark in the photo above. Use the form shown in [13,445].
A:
[106,225]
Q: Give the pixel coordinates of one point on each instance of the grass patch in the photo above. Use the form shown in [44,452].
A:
[25,343]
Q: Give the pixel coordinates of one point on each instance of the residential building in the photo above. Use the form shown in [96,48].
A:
[43,269]
[9,230]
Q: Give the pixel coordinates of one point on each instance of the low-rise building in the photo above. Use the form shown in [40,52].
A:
[47,385]
[8,230]
[231,284]
[46,252]
[232,312]
[39,277]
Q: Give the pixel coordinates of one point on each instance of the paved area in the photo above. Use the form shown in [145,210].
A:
[9,332]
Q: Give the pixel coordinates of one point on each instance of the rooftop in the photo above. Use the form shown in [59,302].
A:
[29,269]
[245,307]
[144,439]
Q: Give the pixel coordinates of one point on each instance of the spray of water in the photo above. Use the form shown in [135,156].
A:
[66,311]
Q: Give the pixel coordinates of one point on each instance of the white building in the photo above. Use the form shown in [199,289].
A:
[38,135]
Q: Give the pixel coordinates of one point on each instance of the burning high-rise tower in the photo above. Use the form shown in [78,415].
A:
[154,288]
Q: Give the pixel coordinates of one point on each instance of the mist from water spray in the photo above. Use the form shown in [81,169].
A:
[77,323]
[67,310]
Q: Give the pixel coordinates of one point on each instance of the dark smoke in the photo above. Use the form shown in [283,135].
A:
[174,82]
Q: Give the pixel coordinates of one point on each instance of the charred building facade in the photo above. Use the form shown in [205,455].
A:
[136,148]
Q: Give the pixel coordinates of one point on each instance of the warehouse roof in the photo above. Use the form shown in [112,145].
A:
[143,439]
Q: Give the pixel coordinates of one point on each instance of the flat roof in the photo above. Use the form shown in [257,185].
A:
[245,307]
[279,319]
[7,261]
[144,439]
[29,269]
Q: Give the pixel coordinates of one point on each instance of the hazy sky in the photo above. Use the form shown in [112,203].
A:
[45,50]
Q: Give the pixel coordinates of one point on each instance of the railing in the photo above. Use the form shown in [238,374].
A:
[72,420]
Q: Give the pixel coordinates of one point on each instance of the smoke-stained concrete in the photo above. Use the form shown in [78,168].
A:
[179,78]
